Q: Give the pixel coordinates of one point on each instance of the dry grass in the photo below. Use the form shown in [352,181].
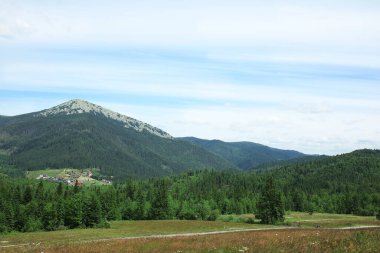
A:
[322,220]
[124,229]
[296,240]
[303,239]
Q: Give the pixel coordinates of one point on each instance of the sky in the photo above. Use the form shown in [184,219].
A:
[301,75]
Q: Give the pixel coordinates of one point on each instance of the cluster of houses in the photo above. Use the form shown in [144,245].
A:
[72,177]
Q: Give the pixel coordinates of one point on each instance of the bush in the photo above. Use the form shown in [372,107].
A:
[187,214]
[3,229]
[378,215]
[103,224]
[227,218]
[32,225]
[213,215]
[250,221]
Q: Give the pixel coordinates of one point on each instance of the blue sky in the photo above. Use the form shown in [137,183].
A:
[301,75]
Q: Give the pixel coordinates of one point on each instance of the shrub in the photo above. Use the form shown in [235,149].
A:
[213,215]
[227,218]
[32,225]
[250,221]
[103,224]
[3,229]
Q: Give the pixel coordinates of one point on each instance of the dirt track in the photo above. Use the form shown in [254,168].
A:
[193,234]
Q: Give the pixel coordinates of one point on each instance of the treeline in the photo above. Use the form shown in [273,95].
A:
[27,205]
[346,184]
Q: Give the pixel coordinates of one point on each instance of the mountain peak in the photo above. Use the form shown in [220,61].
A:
[78,106]
[75,106]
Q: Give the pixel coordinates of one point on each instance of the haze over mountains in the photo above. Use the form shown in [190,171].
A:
[80,134]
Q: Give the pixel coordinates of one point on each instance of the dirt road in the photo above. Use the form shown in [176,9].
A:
[192,234]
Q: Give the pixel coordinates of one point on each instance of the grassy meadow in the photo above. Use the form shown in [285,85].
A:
[303,236]
[294,240]
[305,220]
[87,181]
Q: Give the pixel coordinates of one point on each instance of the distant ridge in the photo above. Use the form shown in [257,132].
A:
[245,155]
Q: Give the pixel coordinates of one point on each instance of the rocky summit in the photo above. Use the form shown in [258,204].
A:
[78,106]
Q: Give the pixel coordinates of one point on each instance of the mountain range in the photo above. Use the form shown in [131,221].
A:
[245,155]
[80,134]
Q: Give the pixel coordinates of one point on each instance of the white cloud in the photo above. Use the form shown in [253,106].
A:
[238,22]
[312,110]
[293,31]
[326,134]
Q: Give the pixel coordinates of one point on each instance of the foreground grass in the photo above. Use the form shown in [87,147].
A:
[125,229]
[324,220]
[305,220]
[294,240]
[303,237]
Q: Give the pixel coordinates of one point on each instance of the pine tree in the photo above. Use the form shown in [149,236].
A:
[270,208]
[20,217]
[50,220]
[39,195]
[9,216]
[140,209]
[27,195]
[3,223]
[73,212]
[160,206]
[92,211]
[59,190]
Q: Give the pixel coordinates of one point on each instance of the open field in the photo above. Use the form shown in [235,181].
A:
[305,220]
[33,174]
[295,240]
[125,229]
[81,175]
[121,237]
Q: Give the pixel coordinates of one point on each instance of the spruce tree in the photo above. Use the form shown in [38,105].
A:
[73,212]
[50,220]
[59,190]
[92,211]
[27,197]
[140,210]
[39,195]
[3,223]
[270,208]
[160,206]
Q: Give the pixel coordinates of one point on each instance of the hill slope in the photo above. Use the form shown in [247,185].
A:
[352,172]
[245,155]
[80,134]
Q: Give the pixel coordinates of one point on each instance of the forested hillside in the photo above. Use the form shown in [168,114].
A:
[342,184]
[245,155]
[79,134]
[347,183]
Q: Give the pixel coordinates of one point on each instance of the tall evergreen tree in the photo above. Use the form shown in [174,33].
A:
[270,208]
[27,195]
[92,211]
[59,190]
[39,195]
[160,206]
[73,212]
[50,220]
[141,208]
